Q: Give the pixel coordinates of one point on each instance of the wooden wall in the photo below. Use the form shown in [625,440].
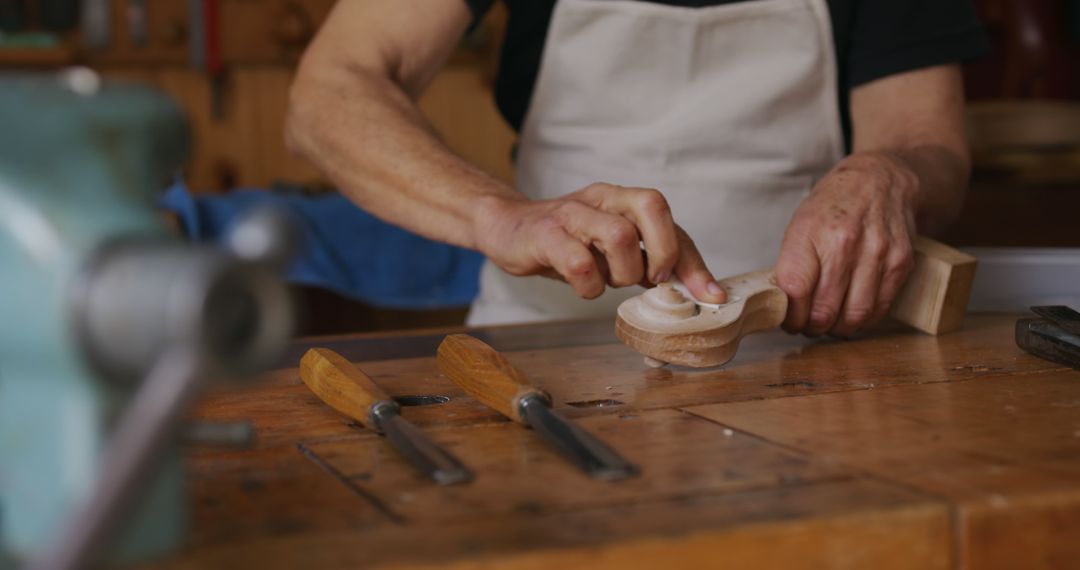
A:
[238,138]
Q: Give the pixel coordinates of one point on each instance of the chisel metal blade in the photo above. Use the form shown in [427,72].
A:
[577,445]
[426,455]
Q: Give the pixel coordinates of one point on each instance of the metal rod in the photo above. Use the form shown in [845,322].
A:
[148,423]
[421,451]
[579,446]
[239,435]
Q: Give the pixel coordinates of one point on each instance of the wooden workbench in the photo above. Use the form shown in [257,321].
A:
[897,450]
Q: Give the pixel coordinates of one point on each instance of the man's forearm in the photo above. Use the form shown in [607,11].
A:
[942,175]
[943,179]
[367,135]
[916,120]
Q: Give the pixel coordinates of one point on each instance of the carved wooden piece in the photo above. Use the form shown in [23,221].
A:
[667,326]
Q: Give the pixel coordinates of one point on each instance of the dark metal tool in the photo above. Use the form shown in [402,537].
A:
[490,378]
[348,390]
[136,15]
[1055,337]
[1064,317]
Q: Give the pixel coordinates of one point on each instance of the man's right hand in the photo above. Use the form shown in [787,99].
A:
[592,239]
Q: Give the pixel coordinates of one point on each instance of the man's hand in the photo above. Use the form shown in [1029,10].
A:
[847,250]
[592,238]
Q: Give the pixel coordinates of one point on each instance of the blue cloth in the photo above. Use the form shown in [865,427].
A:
[345,249]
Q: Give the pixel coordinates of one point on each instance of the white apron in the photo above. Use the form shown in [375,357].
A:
[730,111]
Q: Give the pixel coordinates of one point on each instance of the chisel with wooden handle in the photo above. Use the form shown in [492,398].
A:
[348,390]
[490,378]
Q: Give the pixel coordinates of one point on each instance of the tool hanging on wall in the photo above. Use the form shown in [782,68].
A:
[205,49]
[490,378]
[348,390]
[136,16]
[96,30]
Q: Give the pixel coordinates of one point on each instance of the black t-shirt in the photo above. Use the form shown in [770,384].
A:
[873,39]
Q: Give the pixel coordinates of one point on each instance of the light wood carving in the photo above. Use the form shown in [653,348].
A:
[666,325]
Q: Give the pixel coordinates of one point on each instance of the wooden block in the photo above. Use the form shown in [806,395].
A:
[935,298]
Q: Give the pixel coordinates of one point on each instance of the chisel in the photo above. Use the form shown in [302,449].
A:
[348,390]
[490,378]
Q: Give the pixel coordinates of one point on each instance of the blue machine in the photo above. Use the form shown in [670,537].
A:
[107,323]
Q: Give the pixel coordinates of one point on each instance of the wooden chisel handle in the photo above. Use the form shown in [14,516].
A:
[341,384]
[485,374]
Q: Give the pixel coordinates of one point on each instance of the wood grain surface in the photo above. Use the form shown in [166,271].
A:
[894,450]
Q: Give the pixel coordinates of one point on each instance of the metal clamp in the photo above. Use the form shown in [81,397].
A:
[1056,337]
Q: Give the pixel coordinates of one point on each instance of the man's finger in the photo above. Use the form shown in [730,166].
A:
[797,272]
[650,212]
[612,236]
[574,262]
[691,270]
[861,300]
[832,286]
[898,265]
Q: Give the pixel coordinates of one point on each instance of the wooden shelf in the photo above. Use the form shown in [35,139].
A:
[36,58]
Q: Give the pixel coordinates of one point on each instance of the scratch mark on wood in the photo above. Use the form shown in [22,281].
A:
[351,485]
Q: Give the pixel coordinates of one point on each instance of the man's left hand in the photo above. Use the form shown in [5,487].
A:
[847,250]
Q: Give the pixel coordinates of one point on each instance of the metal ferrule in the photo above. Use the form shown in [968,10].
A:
[533,401]
[381,413]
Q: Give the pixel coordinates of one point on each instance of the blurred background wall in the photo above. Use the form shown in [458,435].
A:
[1024,128]
[237,105]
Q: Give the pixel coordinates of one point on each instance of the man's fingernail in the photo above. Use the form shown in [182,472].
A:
[663,277]
[714,289]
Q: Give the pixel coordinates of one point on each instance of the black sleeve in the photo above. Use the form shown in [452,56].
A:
[894,36]
[479,8]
